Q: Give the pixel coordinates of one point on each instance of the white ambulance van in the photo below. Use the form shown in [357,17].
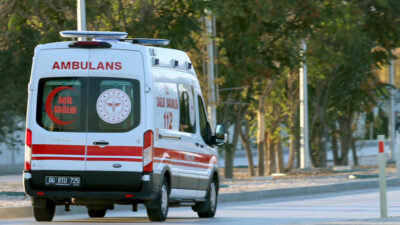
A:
[113,121]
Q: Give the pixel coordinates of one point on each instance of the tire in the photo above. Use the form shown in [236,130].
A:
[45,212]
[97,213]
[208,208]
[160,212]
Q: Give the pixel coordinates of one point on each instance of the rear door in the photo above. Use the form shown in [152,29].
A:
[115,115]
[58,112]
[58,117]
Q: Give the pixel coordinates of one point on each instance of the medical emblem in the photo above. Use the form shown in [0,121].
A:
[113,106]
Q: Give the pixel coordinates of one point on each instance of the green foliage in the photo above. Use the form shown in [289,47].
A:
[258,49]
[26,24]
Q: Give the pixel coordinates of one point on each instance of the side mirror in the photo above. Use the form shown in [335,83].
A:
[220,134]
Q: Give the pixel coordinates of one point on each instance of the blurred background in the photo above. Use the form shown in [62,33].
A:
[255,50]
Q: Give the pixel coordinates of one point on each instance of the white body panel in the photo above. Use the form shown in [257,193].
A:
[184,154]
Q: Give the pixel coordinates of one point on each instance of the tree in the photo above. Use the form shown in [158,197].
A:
[342,53]
[260,41]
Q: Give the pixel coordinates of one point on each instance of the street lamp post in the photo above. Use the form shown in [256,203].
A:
[81,16]
[212,112]
[304,146]
[391,113]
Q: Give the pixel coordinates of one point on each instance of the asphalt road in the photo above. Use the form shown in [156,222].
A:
[356,207]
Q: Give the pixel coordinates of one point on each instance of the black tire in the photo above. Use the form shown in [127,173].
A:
[44,213]
[160,212]
[208,208]
[97,213]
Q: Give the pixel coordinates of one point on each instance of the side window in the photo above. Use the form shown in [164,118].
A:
[204,127]
[187,118]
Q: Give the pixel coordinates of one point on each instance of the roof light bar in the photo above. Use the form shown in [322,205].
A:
[147,41]
[93,34]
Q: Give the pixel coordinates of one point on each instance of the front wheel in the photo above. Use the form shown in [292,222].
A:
[160,212]
[43,210]
[208,208]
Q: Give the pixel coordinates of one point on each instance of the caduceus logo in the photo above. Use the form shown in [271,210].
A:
[113,106]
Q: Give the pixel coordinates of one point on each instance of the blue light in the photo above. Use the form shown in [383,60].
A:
[147,41]
[113,35]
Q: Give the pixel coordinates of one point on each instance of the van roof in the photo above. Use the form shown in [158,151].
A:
[161,57]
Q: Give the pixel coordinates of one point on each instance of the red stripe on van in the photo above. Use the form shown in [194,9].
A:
[59,149]
[182,155]
[115,150]
[114,159]
[58,158]
[182,164]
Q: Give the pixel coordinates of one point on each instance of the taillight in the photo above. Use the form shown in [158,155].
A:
[148,151]
[28,149]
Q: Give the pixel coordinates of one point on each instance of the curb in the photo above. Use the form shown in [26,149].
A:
[299,191]
[18,212]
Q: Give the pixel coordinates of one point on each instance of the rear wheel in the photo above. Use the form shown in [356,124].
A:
[160,212]
[97,213]
[208,208]
[43,209]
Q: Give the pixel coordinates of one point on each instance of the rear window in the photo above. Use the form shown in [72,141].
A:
[94,104]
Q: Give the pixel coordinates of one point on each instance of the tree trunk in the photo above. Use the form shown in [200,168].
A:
[322,145]
[261,128]
[279,156]
[345,137]
[318,140]
[298,151]
[269,155]
[230,148]
[293,139]
[261,136]
[354,151]
[292,152]
[229,156]
[245,138]
[335,146]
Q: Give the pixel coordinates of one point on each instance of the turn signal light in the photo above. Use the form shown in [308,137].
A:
[28,149]
[148,151]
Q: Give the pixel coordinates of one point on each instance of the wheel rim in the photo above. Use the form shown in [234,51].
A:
[213,196]
[164,199]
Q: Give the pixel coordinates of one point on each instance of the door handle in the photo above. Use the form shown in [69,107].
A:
[100,143]
[169,137]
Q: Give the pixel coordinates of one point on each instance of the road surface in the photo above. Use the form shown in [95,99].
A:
[337,208]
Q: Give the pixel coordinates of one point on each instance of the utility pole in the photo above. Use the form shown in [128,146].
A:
[392,131]
[212,112]
[304,143]
[81,16]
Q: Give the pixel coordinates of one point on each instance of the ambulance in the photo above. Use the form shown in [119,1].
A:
[115,120]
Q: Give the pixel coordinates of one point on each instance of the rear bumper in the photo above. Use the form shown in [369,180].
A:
[148,191]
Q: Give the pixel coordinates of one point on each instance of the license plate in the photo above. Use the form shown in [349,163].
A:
[62,181]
